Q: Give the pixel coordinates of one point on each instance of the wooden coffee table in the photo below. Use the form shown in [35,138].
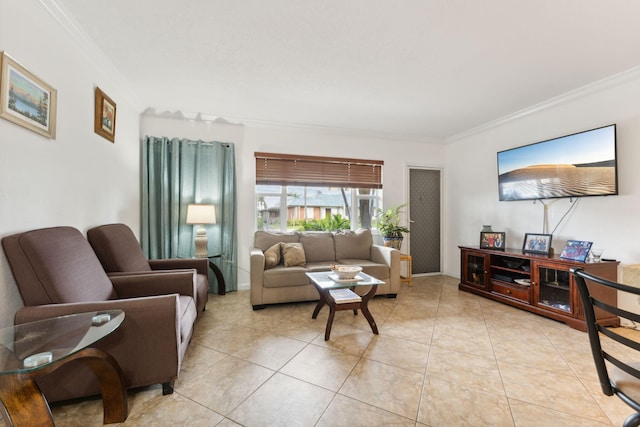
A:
[325,281]
[30,350]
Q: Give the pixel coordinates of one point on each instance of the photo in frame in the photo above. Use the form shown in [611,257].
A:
[25,99]
[104,123]
[535,243]
[492,240]
[576,250]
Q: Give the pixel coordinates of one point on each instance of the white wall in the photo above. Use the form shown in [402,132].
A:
[250,139]
[610,222]
[79,179]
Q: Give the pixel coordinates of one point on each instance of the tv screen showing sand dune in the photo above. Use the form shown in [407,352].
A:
[582,164]
[551,181]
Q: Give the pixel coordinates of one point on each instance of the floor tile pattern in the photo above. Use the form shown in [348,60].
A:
[442,358]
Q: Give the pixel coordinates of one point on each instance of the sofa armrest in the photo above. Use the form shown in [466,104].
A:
[383,254]
[256,268]
[200,264]
[256,263]
[166,303]
[145,283]
[390,257]
[147,343]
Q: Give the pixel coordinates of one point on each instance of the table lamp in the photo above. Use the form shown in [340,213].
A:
[201,214]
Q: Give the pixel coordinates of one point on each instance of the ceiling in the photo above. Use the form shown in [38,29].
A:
[411,68]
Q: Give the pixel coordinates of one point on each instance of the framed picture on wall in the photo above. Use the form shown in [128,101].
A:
[492,240]
[104,123]
[25,99]
[535,243]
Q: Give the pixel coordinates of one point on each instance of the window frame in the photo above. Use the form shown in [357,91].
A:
[289,170]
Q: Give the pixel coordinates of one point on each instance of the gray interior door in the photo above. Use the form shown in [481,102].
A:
[425,222]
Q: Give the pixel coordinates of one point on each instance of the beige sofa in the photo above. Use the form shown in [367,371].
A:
[288,283]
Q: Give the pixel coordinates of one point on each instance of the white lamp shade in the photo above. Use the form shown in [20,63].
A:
[201,214]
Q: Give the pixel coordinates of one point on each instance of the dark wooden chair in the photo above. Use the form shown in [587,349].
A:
[617,357]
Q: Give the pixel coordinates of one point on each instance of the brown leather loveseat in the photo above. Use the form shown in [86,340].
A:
[58,273]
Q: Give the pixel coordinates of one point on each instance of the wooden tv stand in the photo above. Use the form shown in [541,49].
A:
[550,291]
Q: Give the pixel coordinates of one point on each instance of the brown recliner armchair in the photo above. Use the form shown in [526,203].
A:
[120,252]
[57,273]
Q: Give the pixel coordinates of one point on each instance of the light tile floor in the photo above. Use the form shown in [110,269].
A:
[442,358]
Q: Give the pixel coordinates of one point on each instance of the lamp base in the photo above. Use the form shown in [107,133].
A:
[202,243]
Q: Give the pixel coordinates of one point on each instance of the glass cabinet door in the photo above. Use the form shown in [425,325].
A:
[553,288]
[476,269]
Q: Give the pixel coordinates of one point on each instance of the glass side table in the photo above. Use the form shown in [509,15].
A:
[216,270]
[33,349]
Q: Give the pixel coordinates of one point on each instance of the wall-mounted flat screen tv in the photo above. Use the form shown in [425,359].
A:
[577,165]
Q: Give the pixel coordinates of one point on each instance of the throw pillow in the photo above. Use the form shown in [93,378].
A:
[272,256]
[293,254]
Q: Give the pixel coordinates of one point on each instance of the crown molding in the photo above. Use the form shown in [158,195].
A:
[110,73]
[344,131]
[92,52]
[589,89]
[286,126]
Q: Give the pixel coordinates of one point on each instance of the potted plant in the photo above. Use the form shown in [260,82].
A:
[388,223]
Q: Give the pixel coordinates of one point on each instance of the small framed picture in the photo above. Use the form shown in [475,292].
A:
[25,99]
[492,240]
[104,123]
[576,250]
[537,243]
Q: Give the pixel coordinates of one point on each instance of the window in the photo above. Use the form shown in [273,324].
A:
[316,193]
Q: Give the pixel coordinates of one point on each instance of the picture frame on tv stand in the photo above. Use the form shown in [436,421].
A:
[576,250]
[493,240]
[537,243]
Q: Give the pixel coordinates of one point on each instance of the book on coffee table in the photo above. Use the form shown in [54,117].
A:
[343,296]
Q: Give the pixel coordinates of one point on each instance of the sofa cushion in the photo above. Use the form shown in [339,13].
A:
[379,271]
[319,266]
[293,254]
[117,248]
[318,246]
[188,314]
[272,256]
[263,240]
[59,266]
[353,244]
[281,276]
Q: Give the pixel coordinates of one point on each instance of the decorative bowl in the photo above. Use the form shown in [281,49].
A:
[346,272]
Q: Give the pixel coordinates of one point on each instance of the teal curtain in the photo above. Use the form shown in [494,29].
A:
[175,173]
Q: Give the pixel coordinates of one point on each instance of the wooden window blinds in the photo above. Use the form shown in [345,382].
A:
[288,169]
